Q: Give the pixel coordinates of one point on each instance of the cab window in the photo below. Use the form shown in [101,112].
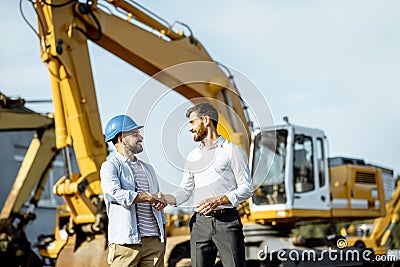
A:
[303,171]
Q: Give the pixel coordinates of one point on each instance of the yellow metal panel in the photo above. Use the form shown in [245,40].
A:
[37,161]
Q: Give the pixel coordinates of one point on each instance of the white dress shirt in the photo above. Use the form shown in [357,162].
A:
[219,170]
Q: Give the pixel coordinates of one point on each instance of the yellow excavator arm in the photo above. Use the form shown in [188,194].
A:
[65,28]
[147,43]
[32,176]
[14,116]
[382,226]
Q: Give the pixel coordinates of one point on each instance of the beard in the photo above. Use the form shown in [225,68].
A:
[136,149]
[200,134]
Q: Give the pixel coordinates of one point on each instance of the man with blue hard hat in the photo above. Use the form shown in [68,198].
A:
[136,221]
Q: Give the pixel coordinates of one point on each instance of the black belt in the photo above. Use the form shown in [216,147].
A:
[220,212]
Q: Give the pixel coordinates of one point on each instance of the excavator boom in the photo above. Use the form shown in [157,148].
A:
[290,162]
[40,155]
[147,43]
[32,176]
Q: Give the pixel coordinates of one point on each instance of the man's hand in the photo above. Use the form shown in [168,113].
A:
[171,200]
[158,201]
[210,204]
[168,199]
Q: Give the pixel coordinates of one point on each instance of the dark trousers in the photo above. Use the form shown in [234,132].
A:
[221,233]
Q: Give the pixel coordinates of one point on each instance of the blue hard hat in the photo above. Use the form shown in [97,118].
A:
[118,124]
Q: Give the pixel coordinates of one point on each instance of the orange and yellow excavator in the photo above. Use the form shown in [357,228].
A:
[293,180]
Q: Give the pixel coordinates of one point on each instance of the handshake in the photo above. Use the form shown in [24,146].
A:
[159,201]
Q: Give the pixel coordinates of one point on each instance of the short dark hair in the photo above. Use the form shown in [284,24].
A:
[204,109]
[115,139]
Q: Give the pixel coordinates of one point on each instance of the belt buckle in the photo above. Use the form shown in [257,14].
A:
[209,216]
[217,212]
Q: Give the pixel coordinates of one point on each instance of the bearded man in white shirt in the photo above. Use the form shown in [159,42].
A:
[218,174]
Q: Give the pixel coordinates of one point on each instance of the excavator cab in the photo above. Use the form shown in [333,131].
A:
[293,182]
[290,174]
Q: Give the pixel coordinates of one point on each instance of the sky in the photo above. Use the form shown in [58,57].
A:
[332,65]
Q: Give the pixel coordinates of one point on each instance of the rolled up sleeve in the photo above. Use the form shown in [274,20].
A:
[242,176]
[185,189]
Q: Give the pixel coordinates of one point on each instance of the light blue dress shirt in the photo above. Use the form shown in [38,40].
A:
[219,170]
[118,185]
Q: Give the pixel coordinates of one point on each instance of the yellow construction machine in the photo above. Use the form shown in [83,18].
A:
[292,178]
[144,41]
[298,184]
[15,249]
[378,235]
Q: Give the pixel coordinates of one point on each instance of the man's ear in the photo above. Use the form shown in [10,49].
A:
[206,120]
